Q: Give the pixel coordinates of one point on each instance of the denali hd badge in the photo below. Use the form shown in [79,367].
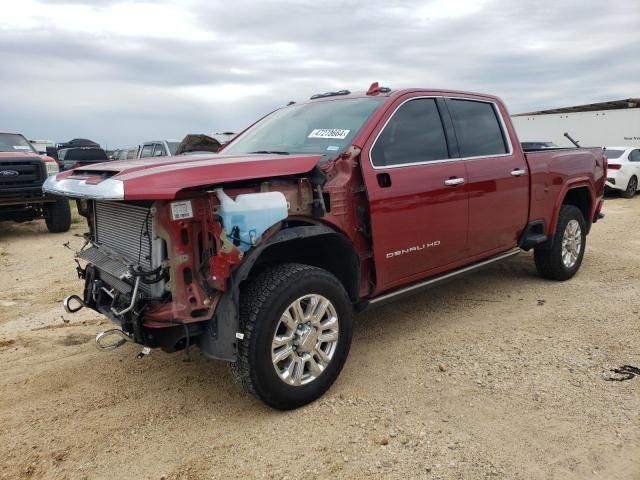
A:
[181,210]
[415,248]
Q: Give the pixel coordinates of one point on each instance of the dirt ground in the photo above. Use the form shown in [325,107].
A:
[498,375]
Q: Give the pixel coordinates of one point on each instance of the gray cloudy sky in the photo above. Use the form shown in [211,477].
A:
[121,72]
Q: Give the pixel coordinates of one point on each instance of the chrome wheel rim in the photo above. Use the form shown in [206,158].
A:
[632,186]
[305,340]
[571,243]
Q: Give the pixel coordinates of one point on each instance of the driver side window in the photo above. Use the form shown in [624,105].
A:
[413,135]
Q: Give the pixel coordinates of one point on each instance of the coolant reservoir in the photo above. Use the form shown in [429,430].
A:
[248,216]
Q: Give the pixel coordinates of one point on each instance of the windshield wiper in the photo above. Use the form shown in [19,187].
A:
[273,152]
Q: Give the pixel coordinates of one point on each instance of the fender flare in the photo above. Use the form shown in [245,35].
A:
[220,338]
[571,185]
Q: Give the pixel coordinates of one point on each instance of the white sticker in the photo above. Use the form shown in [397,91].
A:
[329,133]
[181,210]
[21,147]
[333,148]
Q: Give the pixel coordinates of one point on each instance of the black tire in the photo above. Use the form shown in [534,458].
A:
[632,187]
[58,216]
[262,304]
[549,261]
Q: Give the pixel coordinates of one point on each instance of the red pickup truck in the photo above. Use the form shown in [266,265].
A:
[260,255]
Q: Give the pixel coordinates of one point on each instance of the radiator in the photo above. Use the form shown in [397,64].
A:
[120,240]
[121,227]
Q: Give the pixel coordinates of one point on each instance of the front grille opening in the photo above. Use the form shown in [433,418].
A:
[24,174]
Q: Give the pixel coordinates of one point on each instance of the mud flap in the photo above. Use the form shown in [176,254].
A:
[219,338]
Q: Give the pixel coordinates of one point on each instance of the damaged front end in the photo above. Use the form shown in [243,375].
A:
[163,270]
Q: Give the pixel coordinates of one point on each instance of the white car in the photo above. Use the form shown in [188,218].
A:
[624,169]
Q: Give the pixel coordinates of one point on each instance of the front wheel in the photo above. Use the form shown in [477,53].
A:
[632,188]
[563,259]
[297,325]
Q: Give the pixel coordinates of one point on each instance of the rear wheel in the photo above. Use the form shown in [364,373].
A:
[563,259]
[632,187]
[58,216]
[296,321]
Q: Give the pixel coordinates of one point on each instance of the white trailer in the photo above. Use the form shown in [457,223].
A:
[594,125]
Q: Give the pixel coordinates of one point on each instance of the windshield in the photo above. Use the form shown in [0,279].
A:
[318,127]
[11,142]
[611,154]
[172,147]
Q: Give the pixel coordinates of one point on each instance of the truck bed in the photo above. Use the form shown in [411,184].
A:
[553,171]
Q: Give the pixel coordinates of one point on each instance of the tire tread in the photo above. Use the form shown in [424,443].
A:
[58,216]
[253,298]
[546,260]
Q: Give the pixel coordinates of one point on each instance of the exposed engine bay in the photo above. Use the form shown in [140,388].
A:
[159,269]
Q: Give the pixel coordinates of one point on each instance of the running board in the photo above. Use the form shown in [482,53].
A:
[434,281]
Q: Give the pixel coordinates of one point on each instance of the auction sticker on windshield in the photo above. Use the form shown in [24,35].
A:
[338,133]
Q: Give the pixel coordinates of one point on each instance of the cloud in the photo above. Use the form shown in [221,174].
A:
[124,72]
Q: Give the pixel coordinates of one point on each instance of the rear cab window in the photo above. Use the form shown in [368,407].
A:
[478,128]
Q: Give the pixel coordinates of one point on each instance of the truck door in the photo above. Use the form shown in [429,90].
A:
[417,192]
[498,177]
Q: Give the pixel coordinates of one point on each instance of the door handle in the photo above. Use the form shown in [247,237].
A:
[518,172]
[454,181]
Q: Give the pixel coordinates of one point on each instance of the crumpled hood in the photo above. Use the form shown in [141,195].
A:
[155,179]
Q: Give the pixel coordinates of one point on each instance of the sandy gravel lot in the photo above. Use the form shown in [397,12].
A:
[498,375]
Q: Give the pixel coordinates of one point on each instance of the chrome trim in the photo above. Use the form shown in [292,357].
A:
[109,189]
[454,181]
[305,340]
[441,278]
[571,243]
[518,172]
[503,126]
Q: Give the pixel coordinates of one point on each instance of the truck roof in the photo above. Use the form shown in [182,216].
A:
[393,93]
